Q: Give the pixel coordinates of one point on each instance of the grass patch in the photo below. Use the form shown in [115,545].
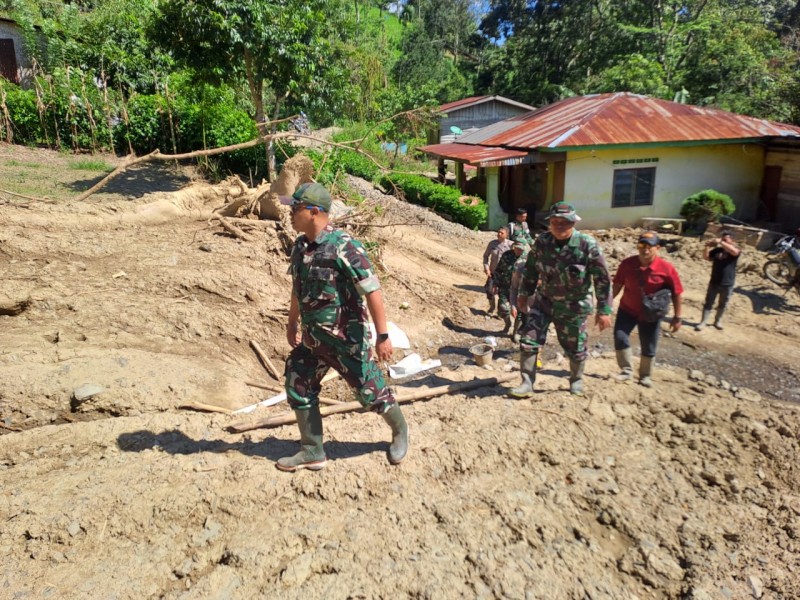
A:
[27,165]
[91,165]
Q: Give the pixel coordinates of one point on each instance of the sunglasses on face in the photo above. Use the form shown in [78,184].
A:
[643,245]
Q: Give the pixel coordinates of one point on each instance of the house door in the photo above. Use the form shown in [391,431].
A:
[8,61]
[770,186]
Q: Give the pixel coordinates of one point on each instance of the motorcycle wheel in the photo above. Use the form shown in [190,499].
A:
[777,272]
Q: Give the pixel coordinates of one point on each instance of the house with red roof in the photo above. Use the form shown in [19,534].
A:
[620,157]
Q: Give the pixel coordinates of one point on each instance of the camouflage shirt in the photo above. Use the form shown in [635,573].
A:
[504,270]
[567,273]
[330,276]
[520,232]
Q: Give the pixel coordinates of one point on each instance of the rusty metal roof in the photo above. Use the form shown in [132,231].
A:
[479,156]
[622,118]
[475,100]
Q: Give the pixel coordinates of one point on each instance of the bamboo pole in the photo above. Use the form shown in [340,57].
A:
[406,398]
[265,360]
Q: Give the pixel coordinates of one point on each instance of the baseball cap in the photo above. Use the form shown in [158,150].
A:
[650,238]
[312,194]
[564,210]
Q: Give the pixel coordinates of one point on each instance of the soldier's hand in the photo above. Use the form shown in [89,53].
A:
[522,303]
[384,350]
[293,335]
[602,321]
[514,312]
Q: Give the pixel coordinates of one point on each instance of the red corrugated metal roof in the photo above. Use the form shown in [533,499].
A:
[622,118]
[480,156]
[461,103]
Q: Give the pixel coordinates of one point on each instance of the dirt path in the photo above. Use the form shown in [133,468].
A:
[686,490]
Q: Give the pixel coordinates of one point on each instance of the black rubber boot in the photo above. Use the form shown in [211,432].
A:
[576,376]
[492,305]
[704,321]
[527,367]
[399,446]
[312,454]
[507,323]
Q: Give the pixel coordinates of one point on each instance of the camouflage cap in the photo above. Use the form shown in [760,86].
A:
[521,245]
[564,210]
[312,194]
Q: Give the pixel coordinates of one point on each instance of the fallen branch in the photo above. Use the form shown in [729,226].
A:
[23,195]
[199,406]
[265,360]
[230,227]
[406,398]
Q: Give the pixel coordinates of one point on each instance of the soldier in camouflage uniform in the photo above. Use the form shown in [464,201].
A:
[503,273]
[331,278]
[518,230]
[516,279]
[561,269]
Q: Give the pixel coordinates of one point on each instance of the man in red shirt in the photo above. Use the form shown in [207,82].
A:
[643,274]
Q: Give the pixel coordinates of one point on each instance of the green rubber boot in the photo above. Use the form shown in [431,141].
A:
[704,321]
[646,371]
[507,324]
[576,376]
[312,454]
[527,367]
[625,362]
[399,446]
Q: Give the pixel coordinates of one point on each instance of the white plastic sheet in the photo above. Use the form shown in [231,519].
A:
[411,365]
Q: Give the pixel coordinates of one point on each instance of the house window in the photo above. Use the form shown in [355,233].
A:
[633,187]
[8,61]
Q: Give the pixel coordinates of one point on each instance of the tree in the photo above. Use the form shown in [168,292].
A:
[280,47]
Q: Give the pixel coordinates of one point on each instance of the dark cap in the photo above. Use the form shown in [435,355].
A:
[564,210]
[726,232]
[522,210]
[650,238]
[312,194]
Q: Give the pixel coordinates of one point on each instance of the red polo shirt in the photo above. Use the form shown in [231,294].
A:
[657,275]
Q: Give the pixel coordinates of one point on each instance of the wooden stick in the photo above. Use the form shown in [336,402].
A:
[406,398]
[231,228]
[265,360]
[278,389]
[206,407]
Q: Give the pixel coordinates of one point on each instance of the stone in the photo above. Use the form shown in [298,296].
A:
[756,586]
[86,391]
[298,570]
[74,528]
[696,375]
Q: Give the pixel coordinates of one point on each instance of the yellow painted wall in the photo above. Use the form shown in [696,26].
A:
[733,169]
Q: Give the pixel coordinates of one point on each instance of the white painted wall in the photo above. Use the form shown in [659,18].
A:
[734,169]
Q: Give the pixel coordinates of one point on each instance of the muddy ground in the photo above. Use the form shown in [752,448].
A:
[690,489]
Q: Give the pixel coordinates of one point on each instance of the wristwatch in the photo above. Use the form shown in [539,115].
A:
[382,337]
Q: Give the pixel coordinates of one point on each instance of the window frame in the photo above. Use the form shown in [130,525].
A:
[630,202]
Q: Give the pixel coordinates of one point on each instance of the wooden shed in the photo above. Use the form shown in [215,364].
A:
[780,188]
[471,114]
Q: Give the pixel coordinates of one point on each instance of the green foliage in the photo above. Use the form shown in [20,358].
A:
[707,206]
[469,211]
[91,165]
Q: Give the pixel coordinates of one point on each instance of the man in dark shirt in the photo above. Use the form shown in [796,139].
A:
[723,254]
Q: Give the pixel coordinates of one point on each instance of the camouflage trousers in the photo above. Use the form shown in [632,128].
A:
[569,319]
[308,363]
[503,304]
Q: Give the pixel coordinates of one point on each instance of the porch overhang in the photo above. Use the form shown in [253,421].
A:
[478,156]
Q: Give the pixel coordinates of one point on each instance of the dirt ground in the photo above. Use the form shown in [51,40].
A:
[134,305]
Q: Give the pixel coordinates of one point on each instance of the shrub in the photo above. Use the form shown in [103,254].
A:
[707,206]
[469,211]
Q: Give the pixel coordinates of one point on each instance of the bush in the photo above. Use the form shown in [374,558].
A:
[470,211]
[707,206]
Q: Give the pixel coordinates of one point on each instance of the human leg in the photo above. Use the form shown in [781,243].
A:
[724,296]
[489,289]
[570,324]
[504,310]
[623,326]
[711,294]
[303,375]
[648,336]
[532,338]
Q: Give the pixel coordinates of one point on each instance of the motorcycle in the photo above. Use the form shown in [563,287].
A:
[783,268]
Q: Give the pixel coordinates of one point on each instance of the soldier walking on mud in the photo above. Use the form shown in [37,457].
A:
[494,250]
[562,268]
[503,275]
[331,279]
